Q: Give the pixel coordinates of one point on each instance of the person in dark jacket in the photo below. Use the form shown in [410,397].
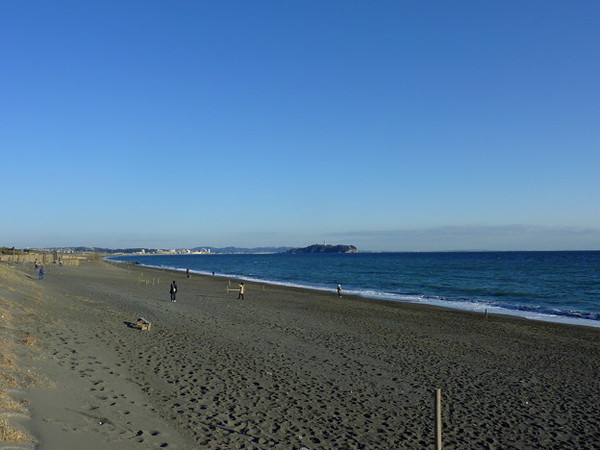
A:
[173,291]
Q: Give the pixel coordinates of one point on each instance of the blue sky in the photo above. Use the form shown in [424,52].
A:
[392,125]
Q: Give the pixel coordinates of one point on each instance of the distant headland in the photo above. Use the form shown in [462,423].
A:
[324,248]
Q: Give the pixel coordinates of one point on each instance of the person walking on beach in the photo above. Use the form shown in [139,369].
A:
[173,291]
[339,290]
[241,294]
[187,272]
[41,273]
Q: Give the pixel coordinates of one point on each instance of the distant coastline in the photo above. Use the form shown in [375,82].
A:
[88,252]
[315,248]
[153,251]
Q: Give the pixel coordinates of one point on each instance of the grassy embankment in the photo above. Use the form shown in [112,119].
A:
[19,297]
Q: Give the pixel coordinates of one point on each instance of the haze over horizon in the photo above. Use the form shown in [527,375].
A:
[391,126]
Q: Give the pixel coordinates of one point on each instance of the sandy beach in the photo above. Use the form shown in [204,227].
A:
[285,368]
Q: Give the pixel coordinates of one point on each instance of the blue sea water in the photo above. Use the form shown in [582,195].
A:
[550,286]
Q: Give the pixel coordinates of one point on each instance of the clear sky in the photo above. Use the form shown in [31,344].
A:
[390,125]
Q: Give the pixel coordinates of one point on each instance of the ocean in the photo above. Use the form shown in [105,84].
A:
[549,286]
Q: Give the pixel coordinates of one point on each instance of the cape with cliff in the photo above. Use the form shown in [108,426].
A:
[324,248]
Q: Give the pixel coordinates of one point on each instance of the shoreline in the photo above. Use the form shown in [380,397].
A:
[290,368]
[472,307]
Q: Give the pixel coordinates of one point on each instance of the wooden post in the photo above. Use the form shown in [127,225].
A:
[438,419]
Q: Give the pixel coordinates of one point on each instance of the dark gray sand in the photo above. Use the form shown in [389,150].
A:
[290,368]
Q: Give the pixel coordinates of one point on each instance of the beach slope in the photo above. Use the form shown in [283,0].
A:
[286,368]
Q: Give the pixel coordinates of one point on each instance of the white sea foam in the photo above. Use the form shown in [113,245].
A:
[479,307]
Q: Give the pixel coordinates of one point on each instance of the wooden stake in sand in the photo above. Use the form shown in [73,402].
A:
[438,419]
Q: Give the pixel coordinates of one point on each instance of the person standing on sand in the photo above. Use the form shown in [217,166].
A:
[173,291]
[339,290]
[187,272]
[41,273]
[241,294]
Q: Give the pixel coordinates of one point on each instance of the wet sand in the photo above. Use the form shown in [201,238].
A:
[289,368]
